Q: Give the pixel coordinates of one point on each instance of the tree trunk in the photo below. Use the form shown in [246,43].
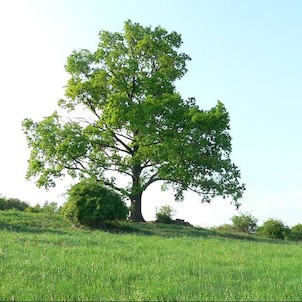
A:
[136,194]
[136,208]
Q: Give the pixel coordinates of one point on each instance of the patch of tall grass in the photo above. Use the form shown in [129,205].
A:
[144,264]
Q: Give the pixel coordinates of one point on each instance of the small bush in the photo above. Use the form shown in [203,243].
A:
[275,229]
[48,207]
[91,204]
[34,209]
[165,214]
[296,232]
[225,228]
[245,223]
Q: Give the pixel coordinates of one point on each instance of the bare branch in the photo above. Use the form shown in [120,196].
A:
[82,119]
[79,163]
[119,170]
[124,136]
[113,147]
[71,168]
[149,165]
[121,190]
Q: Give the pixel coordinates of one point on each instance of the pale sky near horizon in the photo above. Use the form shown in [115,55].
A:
[247,54]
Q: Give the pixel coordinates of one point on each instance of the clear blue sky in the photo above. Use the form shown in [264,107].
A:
[247,54]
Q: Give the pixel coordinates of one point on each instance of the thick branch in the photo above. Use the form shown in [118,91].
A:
[151,180]
[187,187]
[149,165]
[130,151]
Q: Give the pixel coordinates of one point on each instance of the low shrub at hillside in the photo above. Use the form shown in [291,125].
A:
[91,204]
[275,229]
[165,214]
[245,223]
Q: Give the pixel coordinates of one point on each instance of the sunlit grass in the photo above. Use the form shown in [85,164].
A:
[69,264]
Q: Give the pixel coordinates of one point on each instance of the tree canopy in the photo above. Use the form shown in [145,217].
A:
[134,123]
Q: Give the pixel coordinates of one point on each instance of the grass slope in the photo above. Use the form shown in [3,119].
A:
[42,257]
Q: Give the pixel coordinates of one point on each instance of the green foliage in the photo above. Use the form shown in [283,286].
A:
[91,204]
[296,232]
[165,214]
[273,228]
[34,209]
[12,203]
[70,211]
[140,126]
[245,223]
[48,207]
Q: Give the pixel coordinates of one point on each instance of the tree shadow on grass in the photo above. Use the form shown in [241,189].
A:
[34,226]
[36,223]
[174,231]
[30,229]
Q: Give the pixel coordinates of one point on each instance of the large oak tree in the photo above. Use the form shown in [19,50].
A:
[134,123]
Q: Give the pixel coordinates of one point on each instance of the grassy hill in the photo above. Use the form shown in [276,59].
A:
[43,257]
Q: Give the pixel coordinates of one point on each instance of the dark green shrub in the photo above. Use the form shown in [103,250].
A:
[2,203]
[91,204]
[273,228]
[296,232]
[165,214]
[245,223]
[12,203]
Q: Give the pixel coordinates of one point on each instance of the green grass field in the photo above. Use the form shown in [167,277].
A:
[42,257]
